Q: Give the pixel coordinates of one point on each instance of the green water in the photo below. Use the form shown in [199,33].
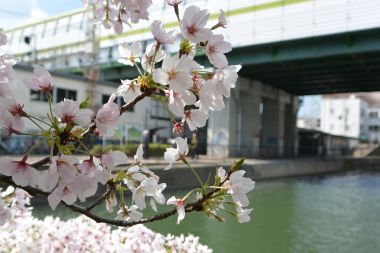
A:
[338,214]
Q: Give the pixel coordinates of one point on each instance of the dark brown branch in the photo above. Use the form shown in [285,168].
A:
[190,207]
[130,105]
[99,200]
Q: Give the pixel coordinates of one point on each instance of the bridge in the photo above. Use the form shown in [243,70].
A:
[287,48]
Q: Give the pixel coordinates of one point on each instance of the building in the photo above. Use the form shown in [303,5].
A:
[146,115]
[355,115]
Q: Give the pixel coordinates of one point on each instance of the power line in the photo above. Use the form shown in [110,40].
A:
[16,13]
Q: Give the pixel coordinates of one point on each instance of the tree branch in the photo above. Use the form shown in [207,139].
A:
[190,207]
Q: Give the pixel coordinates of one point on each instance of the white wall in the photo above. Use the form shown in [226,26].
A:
[341,116]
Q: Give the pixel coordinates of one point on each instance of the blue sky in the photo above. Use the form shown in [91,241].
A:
[17,12]
[311,107]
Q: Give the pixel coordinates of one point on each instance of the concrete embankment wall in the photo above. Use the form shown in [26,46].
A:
[181,176]
[366,163]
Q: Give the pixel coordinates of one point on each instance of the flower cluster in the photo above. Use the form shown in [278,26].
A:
[116,13]
[21,232]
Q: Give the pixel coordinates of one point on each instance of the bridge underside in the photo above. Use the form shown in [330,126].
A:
[348,62]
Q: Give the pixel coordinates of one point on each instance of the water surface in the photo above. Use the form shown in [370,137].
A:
[338,214]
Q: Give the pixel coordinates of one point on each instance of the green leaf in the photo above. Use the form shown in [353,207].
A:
[85,104]
[237,164]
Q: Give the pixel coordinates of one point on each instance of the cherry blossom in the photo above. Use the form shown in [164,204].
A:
[193,24]
[177,101]
[41,80]
[129,53]
[243,214]
[180,205]
[152,56]
[107,117]
[175,72]
[128,90]
[63,192]
[226,78]
[129,213]
[148,187]
[238,186]
[195,118]
[29,234]
[160,33]
[111,202]
[215,50]
[172,155]
[69,112]
[222,21]
[139,156]
[21,172]
[113,159]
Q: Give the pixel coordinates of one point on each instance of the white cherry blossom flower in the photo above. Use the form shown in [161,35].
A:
[216,48]
[113,159]
[41,80]
[193,24]
[172,155]
[243,214]
[64,193]
[158,197]
[107,117]
[195,118]
[225,79]
[148,187]
[139,156]
[222,20]
[129,213]
[5,213]
[175,72]
[147,60]
[238,186]
[128,90]
[177,101]
[180,205]
[160,34]
[69,112]
[129,53]
[209,97]
[21,172]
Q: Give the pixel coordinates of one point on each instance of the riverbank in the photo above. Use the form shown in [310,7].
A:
[179,176]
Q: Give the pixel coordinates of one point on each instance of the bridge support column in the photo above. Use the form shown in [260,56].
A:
[271,144]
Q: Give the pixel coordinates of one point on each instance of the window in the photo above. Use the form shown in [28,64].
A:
[158,111]
[374,128]
[119,101]
[65,93]
[374,114]
[38,96]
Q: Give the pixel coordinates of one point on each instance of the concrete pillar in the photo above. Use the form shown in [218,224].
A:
[290,138]
[250,124]
[270,119]
[218,137]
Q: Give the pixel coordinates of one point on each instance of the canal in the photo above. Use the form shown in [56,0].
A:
[339,214]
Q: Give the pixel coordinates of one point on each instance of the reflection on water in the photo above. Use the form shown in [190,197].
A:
[339,214]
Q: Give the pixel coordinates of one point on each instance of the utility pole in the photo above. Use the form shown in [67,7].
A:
[91,68]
